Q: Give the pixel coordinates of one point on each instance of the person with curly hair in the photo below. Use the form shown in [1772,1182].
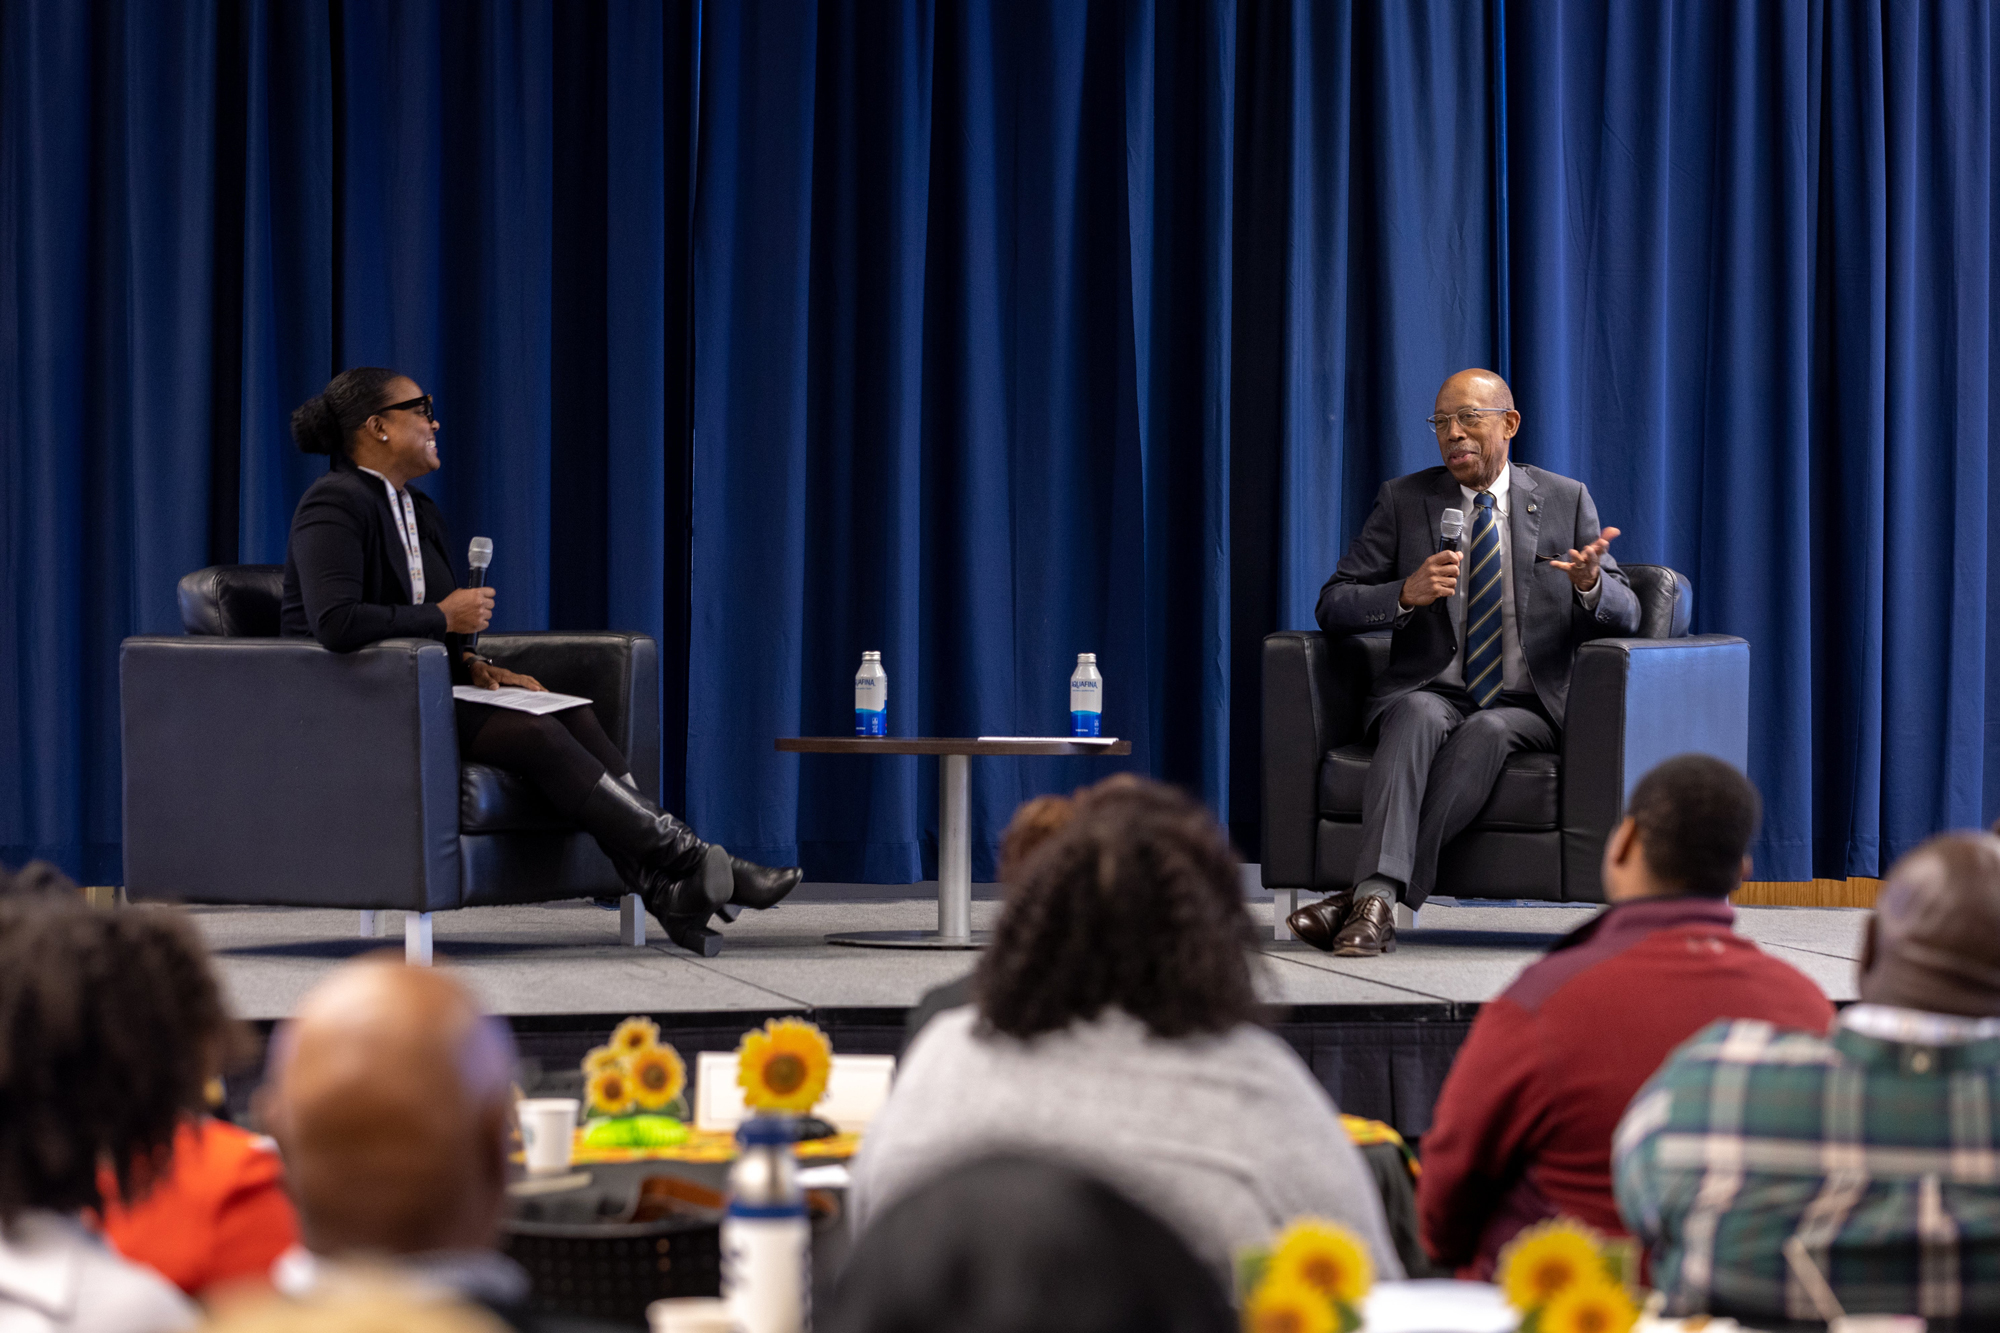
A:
[1115,1029]
[111,1025]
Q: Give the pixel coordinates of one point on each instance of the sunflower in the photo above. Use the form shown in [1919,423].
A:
[1325,1257]
[1546,1260]
[657,1076]
[635,1034]
[1595,1305]
[783,1067]
[612,1091]
[1282,1306]
[602,1057]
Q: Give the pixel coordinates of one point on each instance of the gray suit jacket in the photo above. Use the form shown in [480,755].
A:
[1550,516]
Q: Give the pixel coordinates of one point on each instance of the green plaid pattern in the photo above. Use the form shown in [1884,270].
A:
[1878,1155]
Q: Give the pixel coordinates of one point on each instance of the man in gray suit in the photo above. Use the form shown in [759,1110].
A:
[1533,580]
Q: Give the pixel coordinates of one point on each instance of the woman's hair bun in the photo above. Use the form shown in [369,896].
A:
[315,426]
[324,423]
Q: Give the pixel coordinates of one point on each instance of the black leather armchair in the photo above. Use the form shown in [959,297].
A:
[268,770]
[1632,703]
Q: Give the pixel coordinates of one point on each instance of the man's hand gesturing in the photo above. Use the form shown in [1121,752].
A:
[1582,565]
[1436,577]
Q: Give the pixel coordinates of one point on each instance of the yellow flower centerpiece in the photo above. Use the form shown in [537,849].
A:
[783,1067]
[1565,1278]
[633,1085]
[1311,1279]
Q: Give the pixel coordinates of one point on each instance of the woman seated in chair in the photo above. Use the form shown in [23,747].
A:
[368,561]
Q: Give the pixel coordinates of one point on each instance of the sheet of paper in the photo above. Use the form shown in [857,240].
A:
[524,701]
[1073,740]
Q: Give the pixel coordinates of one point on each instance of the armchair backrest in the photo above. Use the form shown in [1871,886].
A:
[233,601]
[1666,601]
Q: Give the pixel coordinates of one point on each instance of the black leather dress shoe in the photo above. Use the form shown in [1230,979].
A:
[1370,930]
[1317,923]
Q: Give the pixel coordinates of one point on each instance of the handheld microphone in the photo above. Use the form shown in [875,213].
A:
[479,555]
[1450,529]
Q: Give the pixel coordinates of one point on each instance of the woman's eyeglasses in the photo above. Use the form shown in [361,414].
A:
[422,405]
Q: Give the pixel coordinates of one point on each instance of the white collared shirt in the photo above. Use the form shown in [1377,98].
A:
[476,1275]
[1916,1027]
[1513,666]
[405,510]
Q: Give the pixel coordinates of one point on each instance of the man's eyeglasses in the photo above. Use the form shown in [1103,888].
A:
[1467,417]
[422,405]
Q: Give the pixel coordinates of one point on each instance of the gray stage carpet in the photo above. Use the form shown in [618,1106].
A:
[564,958]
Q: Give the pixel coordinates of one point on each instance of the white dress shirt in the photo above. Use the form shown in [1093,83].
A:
[1513,666]
[56,1276]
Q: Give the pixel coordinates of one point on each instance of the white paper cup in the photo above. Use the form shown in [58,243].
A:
[548,1128]
[689,1314]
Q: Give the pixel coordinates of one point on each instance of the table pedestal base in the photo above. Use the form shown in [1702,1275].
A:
[910,939]
[954,873]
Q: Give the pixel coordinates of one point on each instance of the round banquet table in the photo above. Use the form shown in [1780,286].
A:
[954,819]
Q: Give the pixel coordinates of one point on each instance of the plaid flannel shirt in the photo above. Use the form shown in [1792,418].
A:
[1878,1154]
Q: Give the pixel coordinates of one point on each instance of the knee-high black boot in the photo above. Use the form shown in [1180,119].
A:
[682,879]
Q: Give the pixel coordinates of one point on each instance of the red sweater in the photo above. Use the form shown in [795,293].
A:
[219,1217]
[1522,1130]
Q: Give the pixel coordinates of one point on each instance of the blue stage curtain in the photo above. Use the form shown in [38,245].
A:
[209,207]
[987,334]
[961,396]
[1750,282]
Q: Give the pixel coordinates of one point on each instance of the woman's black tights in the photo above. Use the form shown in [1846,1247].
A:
[562,753]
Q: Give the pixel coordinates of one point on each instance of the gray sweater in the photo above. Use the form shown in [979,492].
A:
[1226,1137]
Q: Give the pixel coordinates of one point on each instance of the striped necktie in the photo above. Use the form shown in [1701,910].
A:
[1482,605]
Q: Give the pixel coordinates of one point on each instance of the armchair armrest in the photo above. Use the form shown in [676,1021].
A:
[618,673]
[1633,703]
[1315,691]
[275,771]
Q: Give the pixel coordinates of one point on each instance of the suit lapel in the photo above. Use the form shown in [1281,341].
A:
[1524,521]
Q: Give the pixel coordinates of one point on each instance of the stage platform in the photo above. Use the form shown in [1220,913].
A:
[1379,1032]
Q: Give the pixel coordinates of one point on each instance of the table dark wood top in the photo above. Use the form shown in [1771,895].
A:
[945,745]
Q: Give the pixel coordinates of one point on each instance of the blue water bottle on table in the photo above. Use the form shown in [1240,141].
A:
[871,697]
[1086,697]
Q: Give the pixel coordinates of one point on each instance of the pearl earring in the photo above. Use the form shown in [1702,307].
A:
[383,438]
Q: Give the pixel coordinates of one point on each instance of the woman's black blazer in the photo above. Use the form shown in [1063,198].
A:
[347,579]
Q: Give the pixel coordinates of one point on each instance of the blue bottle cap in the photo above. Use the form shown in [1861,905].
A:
[766,1129]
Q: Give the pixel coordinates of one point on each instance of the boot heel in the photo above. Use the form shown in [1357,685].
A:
[693,936]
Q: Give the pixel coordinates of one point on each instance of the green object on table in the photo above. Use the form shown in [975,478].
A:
[635,1131]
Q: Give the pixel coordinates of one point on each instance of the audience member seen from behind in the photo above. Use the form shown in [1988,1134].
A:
[390,1096]
[1010,1244]
[111,1024]
[1873,1145]
[1034,823]
[214,1221]
[1114,1029]
[1522,1129]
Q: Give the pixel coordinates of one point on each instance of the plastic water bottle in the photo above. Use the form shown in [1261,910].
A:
[871,697]
[766,1237]
[1086,697]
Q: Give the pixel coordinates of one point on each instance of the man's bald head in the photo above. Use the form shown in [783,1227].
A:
[1475,421]
[1934,941]
[1475,388]
[389,1094]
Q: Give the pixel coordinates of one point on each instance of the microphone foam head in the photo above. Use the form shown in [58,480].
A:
[1453,523]
[481,553]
